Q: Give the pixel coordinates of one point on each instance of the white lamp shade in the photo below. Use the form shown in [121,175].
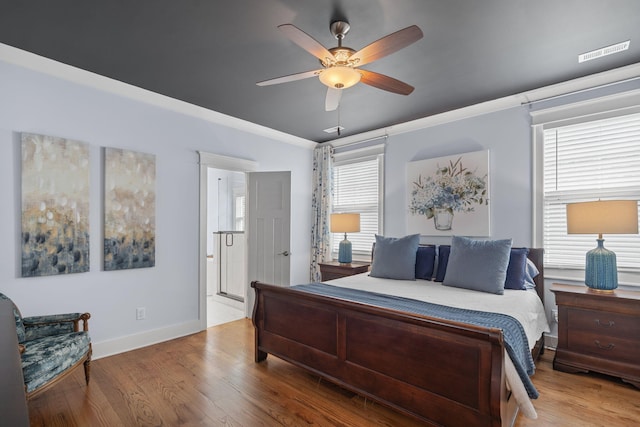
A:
[345,223]
[603,217]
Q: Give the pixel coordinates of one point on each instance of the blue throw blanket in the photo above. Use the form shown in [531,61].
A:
[515,339]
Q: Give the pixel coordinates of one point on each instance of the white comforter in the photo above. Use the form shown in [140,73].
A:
[525,306]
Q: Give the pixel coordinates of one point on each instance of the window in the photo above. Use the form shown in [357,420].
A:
[357,187]
[583,161]
[238,212]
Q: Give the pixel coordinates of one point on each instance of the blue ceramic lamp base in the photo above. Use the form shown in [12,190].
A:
[601,272]
[344,251]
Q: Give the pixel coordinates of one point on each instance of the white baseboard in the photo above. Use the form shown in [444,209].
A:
[144,339]
[550,341]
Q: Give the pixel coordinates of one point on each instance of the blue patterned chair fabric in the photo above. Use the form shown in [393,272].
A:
[51,347]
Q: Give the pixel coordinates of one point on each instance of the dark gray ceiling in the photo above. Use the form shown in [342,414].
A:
[211,53]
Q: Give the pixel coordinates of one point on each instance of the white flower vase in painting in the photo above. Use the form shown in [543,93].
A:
[442,218]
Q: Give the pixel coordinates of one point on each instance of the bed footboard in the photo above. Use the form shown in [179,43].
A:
[438,371]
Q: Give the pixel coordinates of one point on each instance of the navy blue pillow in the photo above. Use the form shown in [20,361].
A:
[425,260]
[517,268]
[443,260]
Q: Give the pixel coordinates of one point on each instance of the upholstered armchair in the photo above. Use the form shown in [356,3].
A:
[51,347]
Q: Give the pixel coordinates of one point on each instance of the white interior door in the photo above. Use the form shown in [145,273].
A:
[268,231]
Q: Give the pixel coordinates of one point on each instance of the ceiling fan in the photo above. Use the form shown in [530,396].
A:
[341,64]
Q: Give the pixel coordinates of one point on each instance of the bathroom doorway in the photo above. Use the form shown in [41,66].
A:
[266,201]
[222,186]
[226,249]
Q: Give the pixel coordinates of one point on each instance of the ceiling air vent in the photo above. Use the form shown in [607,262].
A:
[334,129]
[599,53]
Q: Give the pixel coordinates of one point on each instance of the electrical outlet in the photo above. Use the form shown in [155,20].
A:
[141,313]
[554,313]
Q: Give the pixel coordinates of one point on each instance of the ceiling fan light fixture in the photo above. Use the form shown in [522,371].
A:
[339,77]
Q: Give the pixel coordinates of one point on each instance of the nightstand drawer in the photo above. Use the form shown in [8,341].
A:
[598,332]
[335,270]
[331,275]
[604,323]
[610,348]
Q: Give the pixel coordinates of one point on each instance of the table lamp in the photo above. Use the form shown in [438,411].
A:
[602,217]
[345,223]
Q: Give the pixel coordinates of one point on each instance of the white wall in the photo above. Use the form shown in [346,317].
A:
[36,102]
[506,134]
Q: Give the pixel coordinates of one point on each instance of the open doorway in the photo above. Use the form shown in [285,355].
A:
[226,248]
[223,254]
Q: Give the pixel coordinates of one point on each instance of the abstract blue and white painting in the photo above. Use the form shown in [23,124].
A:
[55,206]
[130,209]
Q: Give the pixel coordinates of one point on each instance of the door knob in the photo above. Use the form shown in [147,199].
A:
[285,253]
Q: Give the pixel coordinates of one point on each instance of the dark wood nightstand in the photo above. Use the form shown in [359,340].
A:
[334,270]
[598,332]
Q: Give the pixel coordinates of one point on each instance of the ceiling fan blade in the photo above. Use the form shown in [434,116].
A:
[383,82]
[306,42]
[289,78]
[386,45]
[333,99]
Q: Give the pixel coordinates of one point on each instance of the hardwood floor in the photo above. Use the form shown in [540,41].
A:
[210,379]
[581,399]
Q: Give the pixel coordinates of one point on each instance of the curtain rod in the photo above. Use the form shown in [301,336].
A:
[385,136]
[562,95]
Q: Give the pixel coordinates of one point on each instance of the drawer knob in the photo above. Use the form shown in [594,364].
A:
[604,347]
[609,324]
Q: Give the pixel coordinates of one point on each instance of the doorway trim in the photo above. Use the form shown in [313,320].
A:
[206,161]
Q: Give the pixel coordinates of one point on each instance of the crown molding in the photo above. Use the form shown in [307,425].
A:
[606,78]
[76,75]
[82,77]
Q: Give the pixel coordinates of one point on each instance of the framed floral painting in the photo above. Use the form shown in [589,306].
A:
[449,195]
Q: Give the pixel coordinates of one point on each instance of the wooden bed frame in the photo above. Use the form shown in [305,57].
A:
[441,372]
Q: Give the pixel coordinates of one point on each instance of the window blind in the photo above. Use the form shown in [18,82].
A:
[239,212]
[356,188]
[588,161]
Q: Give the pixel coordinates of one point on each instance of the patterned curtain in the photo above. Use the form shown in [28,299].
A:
[321,208]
